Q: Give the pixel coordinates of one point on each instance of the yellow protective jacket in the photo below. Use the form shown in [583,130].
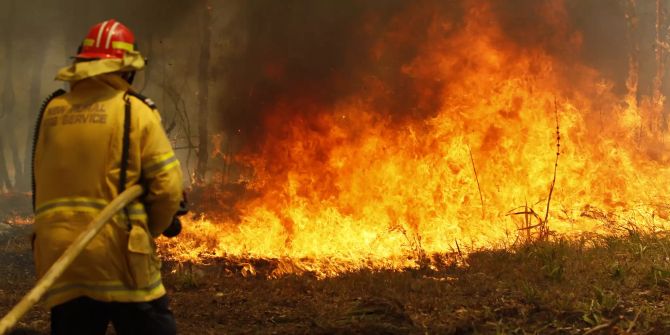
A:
[76,173]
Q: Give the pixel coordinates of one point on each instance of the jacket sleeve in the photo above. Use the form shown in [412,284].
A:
[161,174]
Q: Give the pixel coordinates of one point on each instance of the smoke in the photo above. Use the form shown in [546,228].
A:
[319,52]
[308,53]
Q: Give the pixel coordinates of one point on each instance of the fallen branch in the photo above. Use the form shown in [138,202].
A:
[604,326]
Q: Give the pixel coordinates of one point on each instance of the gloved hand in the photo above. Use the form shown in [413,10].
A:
[175,227]
[183,207]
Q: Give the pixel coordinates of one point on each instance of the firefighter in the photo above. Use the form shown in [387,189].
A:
[91,143]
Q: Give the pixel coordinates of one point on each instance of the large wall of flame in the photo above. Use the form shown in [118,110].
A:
[363,132]
[358,118]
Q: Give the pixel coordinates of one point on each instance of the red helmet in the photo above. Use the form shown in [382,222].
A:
[109,39]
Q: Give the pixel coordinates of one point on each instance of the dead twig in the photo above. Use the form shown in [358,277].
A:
[530,227]
[526,221]
[604,326]
[460,254]
[180,118]
[545,229]
[413,242]
[185,147]
[528,213]
[632,324]
[479,188]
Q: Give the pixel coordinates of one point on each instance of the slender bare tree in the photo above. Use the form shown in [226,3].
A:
[8,98]
[35,98]
[203,95]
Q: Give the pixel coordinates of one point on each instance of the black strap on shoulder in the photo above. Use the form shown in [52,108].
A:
[144,99]
[36,137]
[125,148]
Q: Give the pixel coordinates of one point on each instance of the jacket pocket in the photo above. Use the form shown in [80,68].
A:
[140,256]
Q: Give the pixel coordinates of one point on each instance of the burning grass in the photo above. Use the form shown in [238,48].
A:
[204,241]
[201,241]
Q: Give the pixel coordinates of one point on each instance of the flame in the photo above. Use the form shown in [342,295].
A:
[351,185]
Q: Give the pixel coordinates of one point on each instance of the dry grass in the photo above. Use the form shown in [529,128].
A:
[594,285]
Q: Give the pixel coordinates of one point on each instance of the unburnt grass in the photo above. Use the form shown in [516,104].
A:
[594,285]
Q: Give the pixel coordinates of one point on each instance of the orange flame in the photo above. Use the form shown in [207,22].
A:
[349,186]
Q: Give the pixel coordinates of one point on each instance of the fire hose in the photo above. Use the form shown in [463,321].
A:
[66,259]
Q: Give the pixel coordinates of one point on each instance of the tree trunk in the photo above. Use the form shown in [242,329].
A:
[203,97]
[660,44]
[5,182]
[7,103]
[16,158]
[9,134]
[34,95]
[633,80]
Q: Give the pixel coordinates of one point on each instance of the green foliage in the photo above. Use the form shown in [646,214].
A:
[605,300]
[530,293]
[552,258]
[660,276]
[617,272]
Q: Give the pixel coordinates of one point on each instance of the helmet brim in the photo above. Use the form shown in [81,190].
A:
[96,55]
[131,61]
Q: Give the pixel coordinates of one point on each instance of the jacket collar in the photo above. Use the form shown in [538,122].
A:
[109,80]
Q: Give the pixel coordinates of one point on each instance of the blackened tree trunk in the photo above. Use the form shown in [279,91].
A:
[203,96]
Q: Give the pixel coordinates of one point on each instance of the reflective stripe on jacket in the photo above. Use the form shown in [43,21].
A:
[77,164]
